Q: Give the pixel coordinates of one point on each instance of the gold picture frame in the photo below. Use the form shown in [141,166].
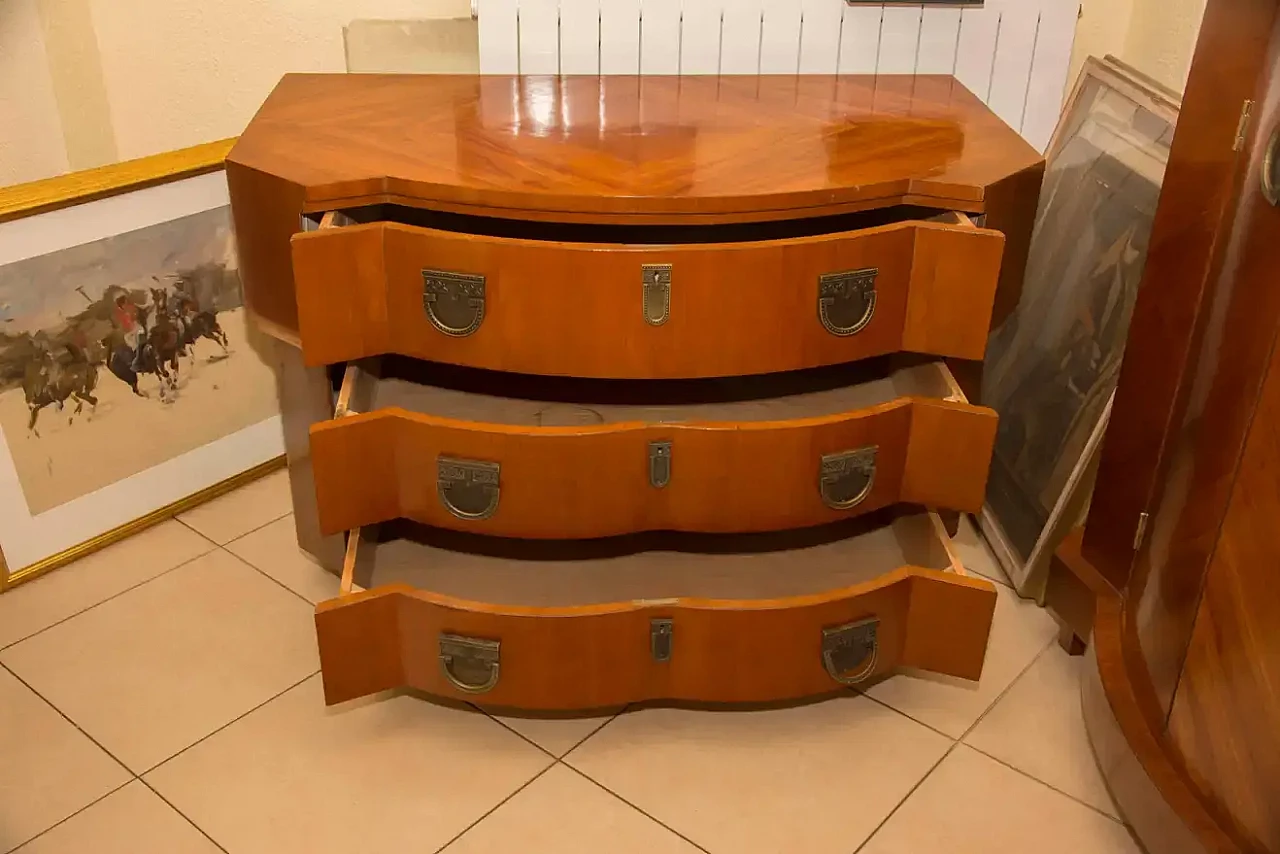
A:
[40,197]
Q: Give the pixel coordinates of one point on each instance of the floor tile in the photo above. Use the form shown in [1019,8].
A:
[48,768]
[131,820]
[557,736]
[562,812]
[974,553]
[243,510]
[816,778]
[274,549]
[386,773]
[38,604]
[1038,728]
[1019,631]
[153,670]
[974,805]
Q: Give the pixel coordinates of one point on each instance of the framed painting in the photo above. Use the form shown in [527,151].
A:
[131,385]
[1052,367]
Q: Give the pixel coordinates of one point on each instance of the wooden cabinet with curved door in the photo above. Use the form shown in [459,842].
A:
[651,397]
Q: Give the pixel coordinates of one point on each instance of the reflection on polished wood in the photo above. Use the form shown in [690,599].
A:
[1184,710]
[674,150]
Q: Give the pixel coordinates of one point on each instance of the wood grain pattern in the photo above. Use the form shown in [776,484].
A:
[1225,720]
[1194,216]
[591,656]
[78,187]
[632,150]
[577,308]
[592,479]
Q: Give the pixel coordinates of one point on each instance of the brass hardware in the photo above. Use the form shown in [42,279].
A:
[656,279]
[470,664]
[660,638]
[454,301]
[847,301]
[1242,127]
[1270,187]
[846,478]
[853,645]
[1141,533]
[659,464]
[469,489]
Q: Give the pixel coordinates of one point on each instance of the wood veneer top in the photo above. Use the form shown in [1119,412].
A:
[702,146]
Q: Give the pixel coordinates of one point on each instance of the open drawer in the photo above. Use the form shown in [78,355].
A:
[629,303]
[468,450]
[579,626]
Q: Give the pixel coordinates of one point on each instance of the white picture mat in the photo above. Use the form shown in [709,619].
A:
[26,539]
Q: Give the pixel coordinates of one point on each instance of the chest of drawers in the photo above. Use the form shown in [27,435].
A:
[619,389]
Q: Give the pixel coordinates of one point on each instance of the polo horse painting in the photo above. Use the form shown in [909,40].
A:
[121,353]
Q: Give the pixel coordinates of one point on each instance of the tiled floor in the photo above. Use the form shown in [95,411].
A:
[162,696]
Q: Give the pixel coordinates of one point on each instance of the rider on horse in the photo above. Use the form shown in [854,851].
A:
[125,315]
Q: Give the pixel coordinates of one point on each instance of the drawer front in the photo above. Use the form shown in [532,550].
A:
[609,479]
[715,651]
[629,311]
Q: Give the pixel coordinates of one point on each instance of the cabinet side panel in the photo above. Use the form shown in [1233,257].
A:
[265,210]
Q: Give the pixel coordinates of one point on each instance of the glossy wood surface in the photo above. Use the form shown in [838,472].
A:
[1225,720]
[1192,221]
[655,145]
[577,309]
[747,466]
[588,656]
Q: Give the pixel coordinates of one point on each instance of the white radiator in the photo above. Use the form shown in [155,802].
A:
[1013,54]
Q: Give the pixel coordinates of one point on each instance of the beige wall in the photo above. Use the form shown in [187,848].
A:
[1155,36]
[88,82]
[31,144]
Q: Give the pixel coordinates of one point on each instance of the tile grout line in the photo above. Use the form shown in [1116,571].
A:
[237,718]
[494,808]
[117,595]
[574,747]
[68,719]
[62,821]
[240,536]
[185,817]
[954,743]
[644,813]
[1036,779]
[269,577]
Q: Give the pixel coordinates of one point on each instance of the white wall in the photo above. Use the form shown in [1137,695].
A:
[31,141]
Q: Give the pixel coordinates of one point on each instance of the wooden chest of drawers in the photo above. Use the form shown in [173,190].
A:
[621,389]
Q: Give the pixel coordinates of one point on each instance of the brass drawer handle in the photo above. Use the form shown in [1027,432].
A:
[845,479]
[470,664]
[659,464]
[656,279]
[1270,162]
[454,302]
[846,647]
[847,301]
[469,489]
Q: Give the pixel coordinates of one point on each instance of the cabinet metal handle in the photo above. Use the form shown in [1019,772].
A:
[471,665]
[454,302]
[845,479]
[656,281]
[848,646]
[469,489]
[1270,162]
[847,301]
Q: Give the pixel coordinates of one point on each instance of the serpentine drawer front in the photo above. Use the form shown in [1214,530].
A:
[645,311]
[514,467]
[763,618]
